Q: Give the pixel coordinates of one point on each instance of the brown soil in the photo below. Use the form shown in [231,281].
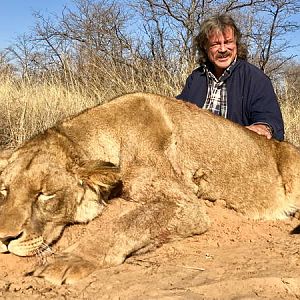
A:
[236,259]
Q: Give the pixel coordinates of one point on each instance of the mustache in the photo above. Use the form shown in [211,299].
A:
[223,54]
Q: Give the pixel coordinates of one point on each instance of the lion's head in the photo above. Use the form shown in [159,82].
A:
[42,191]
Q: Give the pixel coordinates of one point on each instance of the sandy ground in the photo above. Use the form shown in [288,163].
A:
[236,259]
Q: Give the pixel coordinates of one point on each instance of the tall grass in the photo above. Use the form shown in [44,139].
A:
[31,106]
[289,97]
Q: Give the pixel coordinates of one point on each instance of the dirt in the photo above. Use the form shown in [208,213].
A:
[237,258]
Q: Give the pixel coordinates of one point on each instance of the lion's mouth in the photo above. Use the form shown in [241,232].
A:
[22,246]
[4,242]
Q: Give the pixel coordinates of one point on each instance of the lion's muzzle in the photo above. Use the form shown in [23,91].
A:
[21,246]
[3,248]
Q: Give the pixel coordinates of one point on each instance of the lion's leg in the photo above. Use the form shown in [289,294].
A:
[125,228]
[166,209]
[173,214]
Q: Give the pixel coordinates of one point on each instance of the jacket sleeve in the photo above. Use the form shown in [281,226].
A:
[264,107]
[184,95]
[195,88]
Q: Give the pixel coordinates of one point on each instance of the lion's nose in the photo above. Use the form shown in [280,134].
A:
[7,239]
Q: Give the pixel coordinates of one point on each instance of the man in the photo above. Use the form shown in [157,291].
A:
[229,86]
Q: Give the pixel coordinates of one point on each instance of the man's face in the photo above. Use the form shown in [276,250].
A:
[221,49]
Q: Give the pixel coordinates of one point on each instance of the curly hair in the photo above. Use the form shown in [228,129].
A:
[219,23]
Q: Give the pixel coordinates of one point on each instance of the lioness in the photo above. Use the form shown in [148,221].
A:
[161,157]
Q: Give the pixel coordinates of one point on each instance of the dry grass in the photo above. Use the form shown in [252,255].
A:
[29,107]
[290,107]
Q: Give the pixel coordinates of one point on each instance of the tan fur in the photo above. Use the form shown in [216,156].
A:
[168,155]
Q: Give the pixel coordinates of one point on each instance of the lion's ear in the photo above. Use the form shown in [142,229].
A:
[102,177]
[101,181]
[4,157]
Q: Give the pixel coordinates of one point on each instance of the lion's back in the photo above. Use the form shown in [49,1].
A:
[222,159]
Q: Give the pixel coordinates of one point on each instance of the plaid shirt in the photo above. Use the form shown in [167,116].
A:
[216,99]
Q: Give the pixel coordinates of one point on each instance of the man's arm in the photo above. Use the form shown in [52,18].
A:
[266,117]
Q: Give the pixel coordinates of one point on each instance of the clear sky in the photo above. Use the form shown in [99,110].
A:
[16,18]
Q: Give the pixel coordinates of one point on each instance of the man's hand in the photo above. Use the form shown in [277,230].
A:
[261,129]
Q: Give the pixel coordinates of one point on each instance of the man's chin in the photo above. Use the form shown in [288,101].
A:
[223,63]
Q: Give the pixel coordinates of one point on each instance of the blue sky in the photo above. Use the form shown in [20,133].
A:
[16,18]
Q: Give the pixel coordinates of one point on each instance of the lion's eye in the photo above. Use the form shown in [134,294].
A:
[44,197]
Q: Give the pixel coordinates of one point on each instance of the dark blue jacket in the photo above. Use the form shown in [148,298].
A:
[250,96]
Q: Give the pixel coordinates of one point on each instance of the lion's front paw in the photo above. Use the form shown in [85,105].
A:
[65,269]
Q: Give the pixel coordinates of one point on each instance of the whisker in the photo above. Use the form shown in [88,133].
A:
[42,253]
[39,256]
[46,248]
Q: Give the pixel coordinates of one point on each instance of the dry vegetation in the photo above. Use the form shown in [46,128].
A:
[291,116]
[29,107]
[92,53]
[289,97]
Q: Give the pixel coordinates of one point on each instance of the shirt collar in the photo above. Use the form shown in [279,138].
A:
[207,68]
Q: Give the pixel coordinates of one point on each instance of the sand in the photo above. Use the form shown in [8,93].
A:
[237,258]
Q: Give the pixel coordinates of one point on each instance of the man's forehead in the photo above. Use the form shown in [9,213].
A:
[216,34]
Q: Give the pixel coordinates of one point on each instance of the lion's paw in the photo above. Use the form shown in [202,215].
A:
[65,269]
[112,259]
